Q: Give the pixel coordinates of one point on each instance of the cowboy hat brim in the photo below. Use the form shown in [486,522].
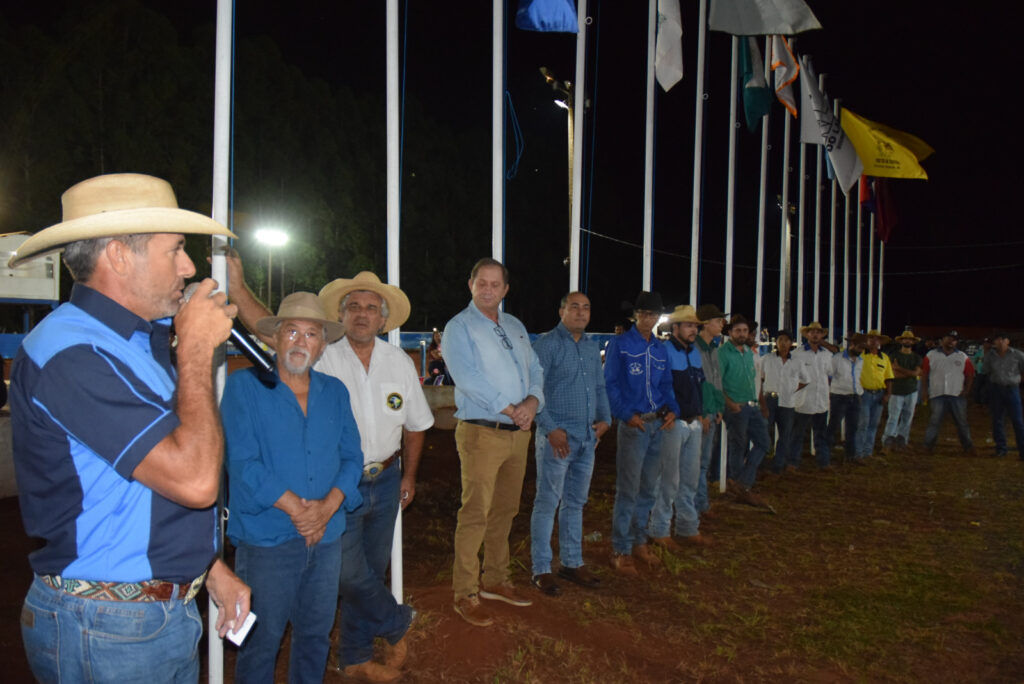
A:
[398,303]
[114,224]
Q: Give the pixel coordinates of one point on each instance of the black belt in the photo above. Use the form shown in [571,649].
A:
[493,424]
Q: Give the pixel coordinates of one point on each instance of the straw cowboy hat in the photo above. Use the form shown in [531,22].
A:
[815,325]
[684,313]
[116,204]
[908,335]
[398,304]
[857,338]
[305,306]
[875,333]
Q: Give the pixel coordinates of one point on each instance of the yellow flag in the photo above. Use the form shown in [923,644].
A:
[885,151]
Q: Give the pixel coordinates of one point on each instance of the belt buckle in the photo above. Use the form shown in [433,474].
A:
[373,470]
[194,588]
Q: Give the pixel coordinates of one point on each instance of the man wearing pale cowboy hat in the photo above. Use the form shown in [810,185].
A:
[680,463]
[844,398]
[392,414]
[499,388]
[639,383]
[293,461]
[708,338]
[574,419]
[876,378]
[906,367]
[812,403]
[117,453]
[946,377]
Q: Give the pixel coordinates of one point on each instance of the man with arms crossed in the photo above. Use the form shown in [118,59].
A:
[293,461]
[575,417]
[498,391]
[906,367]
[118,453]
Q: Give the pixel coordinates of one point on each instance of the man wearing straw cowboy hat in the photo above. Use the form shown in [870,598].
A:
[906,367]
[812,403]
[876,378]
[293,461]
[392,414]
[680,465]
[117,452]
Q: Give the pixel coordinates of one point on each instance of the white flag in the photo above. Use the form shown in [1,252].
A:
[668,47]
[827,131]
[761,17]
[786,72]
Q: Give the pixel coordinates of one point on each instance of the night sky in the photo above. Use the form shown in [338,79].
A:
[953,259]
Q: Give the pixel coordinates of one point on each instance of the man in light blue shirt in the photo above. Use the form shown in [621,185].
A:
[575,416]
[498,391]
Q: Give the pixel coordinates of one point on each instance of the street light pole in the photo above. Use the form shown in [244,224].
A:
[272,237]
[566,89]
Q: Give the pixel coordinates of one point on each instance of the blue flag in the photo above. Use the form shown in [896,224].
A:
[552,16]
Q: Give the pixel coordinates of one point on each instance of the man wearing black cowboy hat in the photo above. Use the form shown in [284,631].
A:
[638,379]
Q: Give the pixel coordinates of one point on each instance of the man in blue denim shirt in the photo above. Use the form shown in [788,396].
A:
[498,391]
[639,384]
[575,416]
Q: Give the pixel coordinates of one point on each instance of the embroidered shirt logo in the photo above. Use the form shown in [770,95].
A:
[395,401]
[636,368]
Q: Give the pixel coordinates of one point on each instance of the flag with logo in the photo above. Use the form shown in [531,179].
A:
[885,151]
[827,131]
[757,96]
[668,47]
[786,72]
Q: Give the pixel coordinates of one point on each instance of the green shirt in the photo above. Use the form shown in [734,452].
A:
[711,388]
[908,385]
[737,366]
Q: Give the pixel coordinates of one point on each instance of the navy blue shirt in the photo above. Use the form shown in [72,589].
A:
[273,447]
[92,392]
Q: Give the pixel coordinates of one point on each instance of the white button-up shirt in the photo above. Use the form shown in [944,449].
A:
[817,367]
[384,400]
[783,378]
[846,374]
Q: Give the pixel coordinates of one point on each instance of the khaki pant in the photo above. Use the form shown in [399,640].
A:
[493,465]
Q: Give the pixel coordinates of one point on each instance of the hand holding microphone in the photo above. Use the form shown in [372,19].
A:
[245,344]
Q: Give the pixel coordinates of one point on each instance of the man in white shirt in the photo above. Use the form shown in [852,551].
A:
[782,380]
[845,393]
[392,414]
[812,403]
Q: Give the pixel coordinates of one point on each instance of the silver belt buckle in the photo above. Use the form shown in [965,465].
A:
[373,470]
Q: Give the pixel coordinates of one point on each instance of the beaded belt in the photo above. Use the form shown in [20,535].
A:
[147,590]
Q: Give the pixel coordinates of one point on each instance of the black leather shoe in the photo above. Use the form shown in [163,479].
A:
[546,583]
[580,576]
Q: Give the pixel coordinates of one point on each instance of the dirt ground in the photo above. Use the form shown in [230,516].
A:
[907,570]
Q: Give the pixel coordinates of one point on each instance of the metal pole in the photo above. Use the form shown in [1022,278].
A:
[497,130]
[819,151]
[730,220]
[871,267]
[652,22]
[784,279]
[881,279]
[270,278]
[800,239]
[759,278]
[576,119]
[860,216]
[698,151]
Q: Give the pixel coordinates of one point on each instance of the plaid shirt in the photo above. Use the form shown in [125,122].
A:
[573,383]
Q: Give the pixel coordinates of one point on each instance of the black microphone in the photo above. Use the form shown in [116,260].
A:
[243,343]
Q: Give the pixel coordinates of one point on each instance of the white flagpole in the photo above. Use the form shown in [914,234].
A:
[393,228]
[759,279]
[856,315]
[219,271]
[784,278]
[881,279]
[497,130]
[871,267]
[730,220]
[846,264]
[833,322]
[698,151]
[800,237]
[820,151]
[652,23]
[579,105]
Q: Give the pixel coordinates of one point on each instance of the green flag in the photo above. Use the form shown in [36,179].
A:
[757,96]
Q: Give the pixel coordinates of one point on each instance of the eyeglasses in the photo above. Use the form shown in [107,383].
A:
[309,335]
[500,332]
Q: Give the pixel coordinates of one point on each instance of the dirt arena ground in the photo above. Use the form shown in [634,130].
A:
[907,570]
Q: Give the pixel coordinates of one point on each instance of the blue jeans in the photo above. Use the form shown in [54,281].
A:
[901,415]
[843,407]
[368,609]
[1003,400]
[72,639]
[781,417]
[563,484]
[293,583]
[748,443]
[818,422]
[956,407]
[707,444]
[867,422]
[680,473]
[637,467]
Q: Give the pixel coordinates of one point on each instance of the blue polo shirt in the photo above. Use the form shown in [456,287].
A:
[573,383]
[92,392]
[273,447]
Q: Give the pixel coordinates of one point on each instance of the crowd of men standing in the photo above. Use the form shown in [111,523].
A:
[119,444]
